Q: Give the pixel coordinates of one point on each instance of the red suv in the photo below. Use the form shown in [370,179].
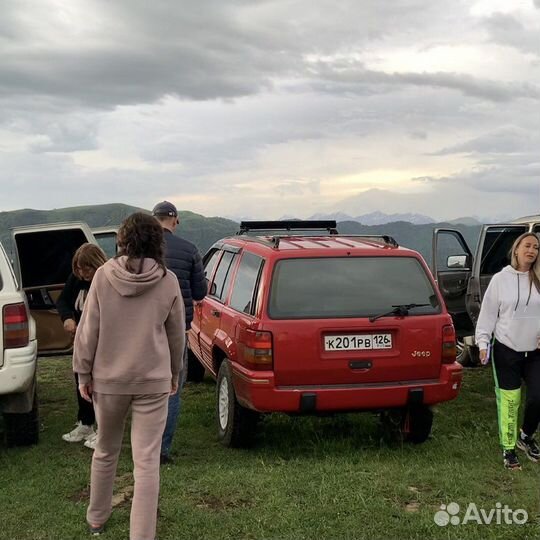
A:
[307,323]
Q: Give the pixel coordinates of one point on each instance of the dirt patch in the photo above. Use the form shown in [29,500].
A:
[123,492]
[81,495]
[413,506]
[214,503]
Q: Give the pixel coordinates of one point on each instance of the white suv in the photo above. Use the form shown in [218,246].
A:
[18,392]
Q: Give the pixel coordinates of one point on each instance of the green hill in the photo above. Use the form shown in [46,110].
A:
[200,230]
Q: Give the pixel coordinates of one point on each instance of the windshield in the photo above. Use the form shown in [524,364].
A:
[349,287]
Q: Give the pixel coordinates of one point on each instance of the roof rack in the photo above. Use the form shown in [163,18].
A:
[288,225]
[275,239]
[390,240]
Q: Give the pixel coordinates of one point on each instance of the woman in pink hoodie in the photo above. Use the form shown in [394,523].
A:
[128,353]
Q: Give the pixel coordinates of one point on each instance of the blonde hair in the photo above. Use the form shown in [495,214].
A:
[88,255]
[534,272]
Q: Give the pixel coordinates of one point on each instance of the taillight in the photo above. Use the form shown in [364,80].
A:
[255,349]
[15,319]
[448,344]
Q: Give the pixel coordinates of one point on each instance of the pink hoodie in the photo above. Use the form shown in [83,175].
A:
[131,336]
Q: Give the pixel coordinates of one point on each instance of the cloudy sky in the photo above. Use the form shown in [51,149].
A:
[265,108]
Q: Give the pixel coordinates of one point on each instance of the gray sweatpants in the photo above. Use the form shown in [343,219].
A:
[149,413]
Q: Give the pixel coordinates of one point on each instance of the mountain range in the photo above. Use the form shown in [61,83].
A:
[380,218]
[204,231]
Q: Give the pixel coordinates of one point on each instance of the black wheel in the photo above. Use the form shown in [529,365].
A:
[410,424]
[22,429]
[417,423]
[474,355]
[195,369]
[467,355]
[391,426]
[236,424]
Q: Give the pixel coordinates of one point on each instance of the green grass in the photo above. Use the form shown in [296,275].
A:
[305,478]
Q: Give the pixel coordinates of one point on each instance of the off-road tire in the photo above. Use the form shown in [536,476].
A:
[22,429]
[467,355]
[417,423]
[195,370]
[409,424]
[236,425]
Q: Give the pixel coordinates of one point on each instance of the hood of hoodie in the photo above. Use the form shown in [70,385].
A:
[522,284]
[127,283]
[512,270]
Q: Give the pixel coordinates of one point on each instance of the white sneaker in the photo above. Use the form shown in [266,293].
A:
[80,433]
[91,441]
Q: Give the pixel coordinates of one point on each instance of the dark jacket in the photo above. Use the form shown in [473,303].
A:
[184,260]
[67,304]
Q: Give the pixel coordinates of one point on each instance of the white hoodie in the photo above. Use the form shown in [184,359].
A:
[511,310]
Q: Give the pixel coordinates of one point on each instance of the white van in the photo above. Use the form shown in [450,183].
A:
[42,257]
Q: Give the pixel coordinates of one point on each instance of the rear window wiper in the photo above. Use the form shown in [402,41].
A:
[401,310]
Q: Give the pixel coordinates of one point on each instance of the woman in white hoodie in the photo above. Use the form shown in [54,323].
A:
[508,331]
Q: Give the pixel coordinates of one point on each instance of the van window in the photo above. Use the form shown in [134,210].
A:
[448,245]
[242,297]
[107,242]
[497,245]
[349,287]
[223,275]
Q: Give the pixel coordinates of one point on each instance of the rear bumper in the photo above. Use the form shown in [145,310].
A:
[256,390]
[17,372]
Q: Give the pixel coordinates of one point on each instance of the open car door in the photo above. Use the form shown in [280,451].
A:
[42,259]
[452,268]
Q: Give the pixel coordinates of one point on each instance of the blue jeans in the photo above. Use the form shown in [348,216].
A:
[174,411]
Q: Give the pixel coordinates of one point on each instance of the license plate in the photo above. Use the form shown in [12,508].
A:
[357,342]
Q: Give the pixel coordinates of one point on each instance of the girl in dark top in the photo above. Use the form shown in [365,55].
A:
[87,259]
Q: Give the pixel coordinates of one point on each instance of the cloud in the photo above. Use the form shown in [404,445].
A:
[70,134]
[507,30]
[522,179]
[298,187]
[509,140]
[354,78]
[132,52]
[284,106]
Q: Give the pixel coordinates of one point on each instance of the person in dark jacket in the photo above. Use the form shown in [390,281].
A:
[86,260]
[184,260]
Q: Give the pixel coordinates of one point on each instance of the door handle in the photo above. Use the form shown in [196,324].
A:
[215,313]
[363,365]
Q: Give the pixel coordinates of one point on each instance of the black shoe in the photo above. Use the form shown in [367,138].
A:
[510,460]
[164,459]
[529,446]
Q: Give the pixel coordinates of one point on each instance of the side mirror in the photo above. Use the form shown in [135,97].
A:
[461,262]
[212,291]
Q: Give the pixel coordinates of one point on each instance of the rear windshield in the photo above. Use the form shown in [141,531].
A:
[349,287]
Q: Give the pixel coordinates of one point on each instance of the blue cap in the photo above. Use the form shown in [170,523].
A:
[165,208]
